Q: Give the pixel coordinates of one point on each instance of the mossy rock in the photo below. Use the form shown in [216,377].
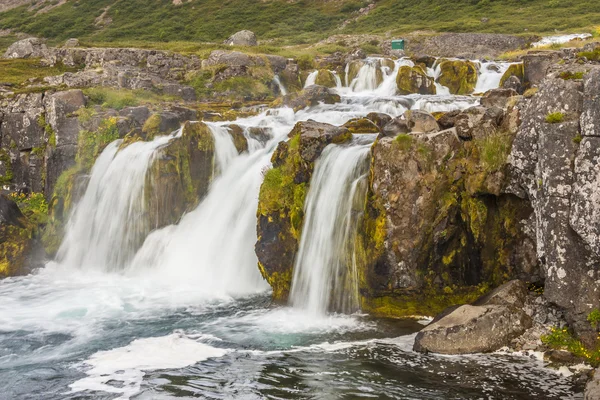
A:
[411,80]
[16,239]
[352,69]
[513,70]
[281,200]
[326,78]
[361,125]
[460,77]
[180,175]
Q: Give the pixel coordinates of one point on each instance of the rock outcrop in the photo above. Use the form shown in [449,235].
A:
[27,48]
[554,166]
[242,38]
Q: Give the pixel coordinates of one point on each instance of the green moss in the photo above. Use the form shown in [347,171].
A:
[151,127]
[243,88]
[529,93]
[326,78]
[361,125]
[513,70]
[460,77]
[14,247]
[404,141]
[568,75]
[591,55]
[33,206]
[91,144]
[121,98]
[408,81]
[475,213]
[8,172]
[85,114]
[577,139]
[494,150]
[555,118]
[424,303]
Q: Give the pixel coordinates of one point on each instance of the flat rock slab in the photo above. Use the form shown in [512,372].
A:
[473,329]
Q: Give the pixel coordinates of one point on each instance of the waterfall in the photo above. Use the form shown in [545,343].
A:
[311,79]
[325,270]
[279,85]
[490,74]
[107,225]
[435,72]
[212,247]
[366,79]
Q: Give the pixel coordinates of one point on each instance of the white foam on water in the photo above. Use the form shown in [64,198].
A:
[127,364]
[560,39]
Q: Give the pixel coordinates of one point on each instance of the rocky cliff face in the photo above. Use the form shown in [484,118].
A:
[554,165]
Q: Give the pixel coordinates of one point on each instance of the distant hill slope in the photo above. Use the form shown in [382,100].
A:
[294,21]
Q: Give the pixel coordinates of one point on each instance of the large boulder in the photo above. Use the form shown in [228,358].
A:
[242,38]
[281,200]
[536,66]
[421,121]
[473,329]
[460,77]
[497,97]
[27,48]
[411,80]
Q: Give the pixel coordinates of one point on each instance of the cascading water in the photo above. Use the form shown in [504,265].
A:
[282,89]
[108,224]
[325,269]
[311,79]
[490,74]
[169,319]
[212,247]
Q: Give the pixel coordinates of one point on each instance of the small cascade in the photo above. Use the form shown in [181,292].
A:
[490,75]
[389,87]
[277,81]
[435,72]
[325,273]
[368,77]
[311,79]
[107,225]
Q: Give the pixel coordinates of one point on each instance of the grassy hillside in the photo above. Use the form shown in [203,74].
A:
[294,21]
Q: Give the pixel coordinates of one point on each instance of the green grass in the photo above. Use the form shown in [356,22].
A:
[121,98]
[17,72]
[284,22]
[494,150]
[563,339]
[555,118]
